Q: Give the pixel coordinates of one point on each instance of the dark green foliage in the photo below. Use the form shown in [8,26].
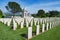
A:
[47,14]
[41,13]
[53,13]
[1,14]
[13,7]
[34,15]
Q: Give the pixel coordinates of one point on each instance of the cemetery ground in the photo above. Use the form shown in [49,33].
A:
[6,33]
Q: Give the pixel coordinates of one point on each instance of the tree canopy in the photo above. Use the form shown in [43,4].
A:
[1,14]
[13,7]
[53,13]
[41,13]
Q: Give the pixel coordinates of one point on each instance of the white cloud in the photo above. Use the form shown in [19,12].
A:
[34,7]
[46,6]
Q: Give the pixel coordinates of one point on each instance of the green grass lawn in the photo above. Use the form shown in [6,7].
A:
[52,34]
[6,33]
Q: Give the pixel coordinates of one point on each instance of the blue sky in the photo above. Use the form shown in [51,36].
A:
[33,6]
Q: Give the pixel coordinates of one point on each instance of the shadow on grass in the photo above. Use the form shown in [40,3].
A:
[24,35]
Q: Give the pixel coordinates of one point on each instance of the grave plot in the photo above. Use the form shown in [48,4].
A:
[6,21]
[34,26]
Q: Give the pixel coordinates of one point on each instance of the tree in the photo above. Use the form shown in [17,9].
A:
[47,14]
[1,14]
[53,13]
[13,7]
[41,13]
[34,15]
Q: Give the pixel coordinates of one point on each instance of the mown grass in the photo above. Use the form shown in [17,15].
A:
[52,34]
[6,33]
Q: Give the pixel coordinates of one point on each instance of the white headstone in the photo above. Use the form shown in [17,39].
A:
[27,24]
[4,22]
[38,22]
[8,23]
[47,26]
[43,27]
[31,23]
[37,29]
[35,23]
[50,25]
[14,25]
[45,20]
[22,24]
[29,32]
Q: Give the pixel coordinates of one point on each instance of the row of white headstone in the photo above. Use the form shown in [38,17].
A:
[6,21]
[28,21]
[32,21]
[46,22]
[48,25]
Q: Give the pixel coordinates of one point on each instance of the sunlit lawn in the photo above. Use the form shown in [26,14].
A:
[52,34]
[6,33]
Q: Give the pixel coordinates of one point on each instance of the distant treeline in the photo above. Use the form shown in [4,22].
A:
[14,7]
[42,13]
